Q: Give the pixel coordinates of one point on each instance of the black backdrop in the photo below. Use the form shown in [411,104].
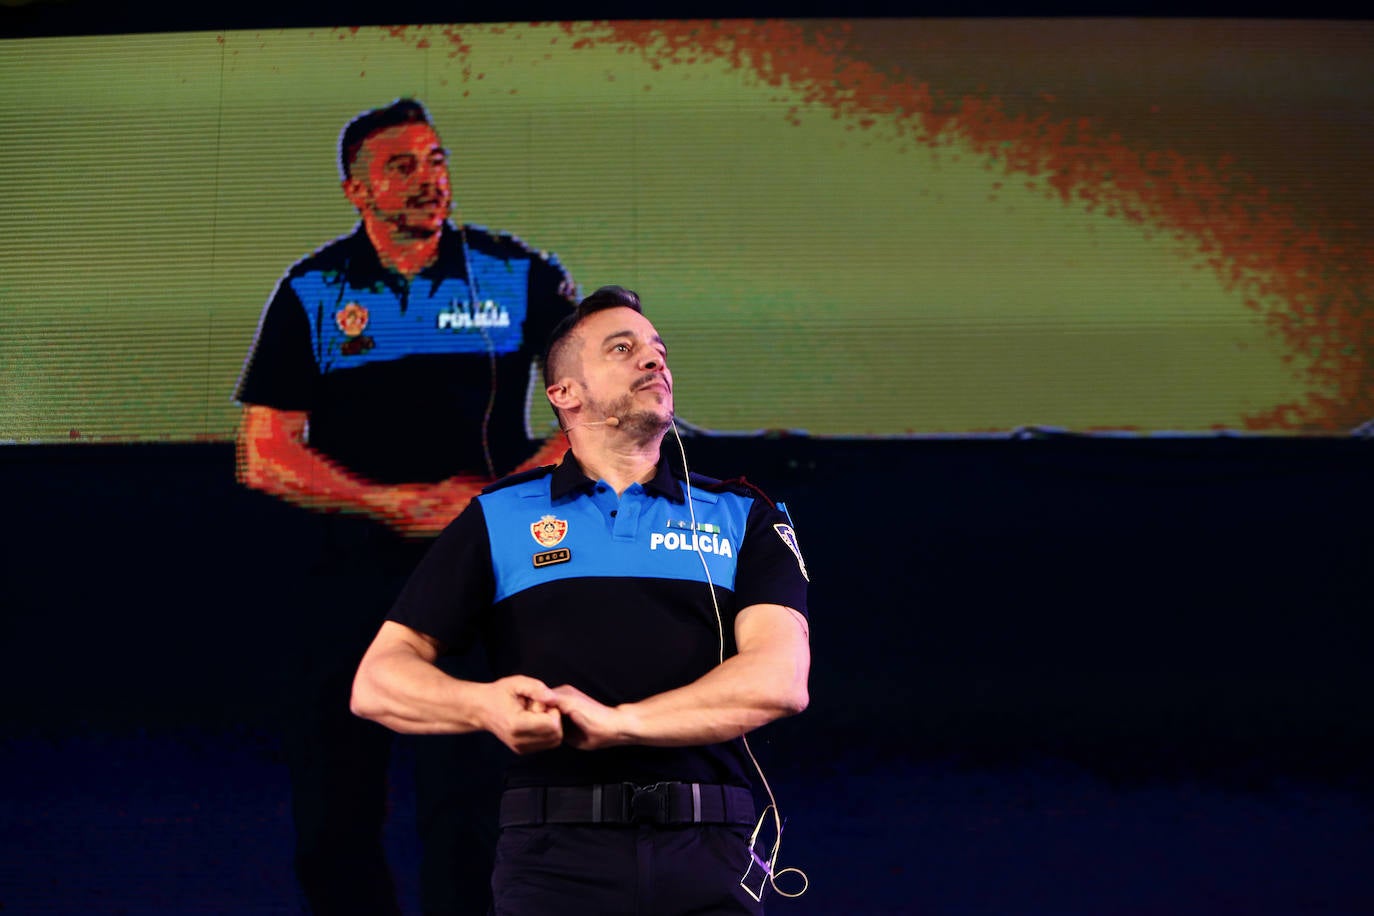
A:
[1203,599]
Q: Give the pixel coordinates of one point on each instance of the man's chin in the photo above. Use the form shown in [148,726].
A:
[645,422]
[422,228]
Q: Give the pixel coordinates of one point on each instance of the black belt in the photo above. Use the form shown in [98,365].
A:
[626,803]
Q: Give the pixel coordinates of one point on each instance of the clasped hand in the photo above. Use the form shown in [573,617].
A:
[528,716]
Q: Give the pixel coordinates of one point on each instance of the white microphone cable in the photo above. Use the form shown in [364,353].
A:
[769,865]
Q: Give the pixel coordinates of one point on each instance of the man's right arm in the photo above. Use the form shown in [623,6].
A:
[399,686]
[273,456]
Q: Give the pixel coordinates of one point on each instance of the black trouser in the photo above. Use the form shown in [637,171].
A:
[622,870]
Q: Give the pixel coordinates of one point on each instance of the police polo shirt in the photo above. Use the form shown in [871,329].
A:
[411,380]
[568,583]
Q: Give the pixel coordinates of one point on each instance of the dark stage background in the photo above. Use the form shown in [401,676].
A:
[1064,675]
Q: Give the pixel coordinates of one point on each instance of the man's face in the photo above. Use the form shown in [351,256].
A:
[624,370]
[400,179]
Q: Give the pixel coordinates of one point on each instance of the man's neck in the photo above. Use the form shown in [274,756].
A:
[619,466]
[407,255]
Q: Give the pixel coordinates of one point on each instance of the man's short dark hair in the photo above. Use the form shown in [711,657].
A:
[355,132]
[607,297]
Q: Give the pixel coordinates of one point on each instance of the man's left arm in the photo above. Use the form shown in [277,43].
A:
[450,497]
[764,681]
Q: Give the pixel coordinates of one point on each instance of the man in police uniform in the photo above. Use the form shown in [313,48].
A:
[641,621]
[388,382]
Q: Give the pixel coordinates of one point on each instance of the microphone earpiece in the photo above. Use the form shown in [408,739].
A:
[612,422]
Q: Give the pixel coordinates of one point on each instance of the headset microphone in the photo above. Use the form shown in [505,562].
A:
[612,422]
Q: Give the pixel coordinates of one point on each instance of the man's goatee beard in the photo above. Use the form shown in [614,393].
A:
[644,422]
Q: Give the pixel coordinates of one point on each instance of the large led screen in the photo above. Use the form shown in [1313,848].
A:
[852,228]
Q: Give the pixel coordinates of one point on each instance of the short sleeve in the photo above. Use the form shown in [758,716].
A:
[449,594]
[771,569]
[280,370]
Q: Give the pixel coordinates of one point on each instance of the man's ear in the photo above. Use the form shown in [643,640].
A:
[356,192]
[564,394]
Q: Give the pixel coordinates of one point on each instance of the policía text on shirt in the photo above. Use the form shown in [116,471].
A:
[463,316]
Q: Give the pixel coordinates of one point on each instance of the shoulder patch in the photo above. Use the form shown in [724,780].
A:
[511,480]
[789,537]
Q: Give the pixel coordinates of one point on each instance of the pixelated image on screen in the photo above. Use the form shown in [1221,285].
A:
[850,228]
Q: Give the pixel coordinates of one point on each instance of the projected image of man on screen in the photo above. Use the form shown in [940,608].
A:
[388,383]
[392,368]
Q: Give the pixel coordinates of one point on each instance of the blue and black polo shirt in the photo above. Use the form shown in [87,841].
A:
[569,583]
[400,377]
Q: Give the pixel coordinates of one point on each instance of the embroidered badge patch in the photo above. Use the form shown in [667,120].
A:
[548,531]
[550,557]
[789,537]
[352,320]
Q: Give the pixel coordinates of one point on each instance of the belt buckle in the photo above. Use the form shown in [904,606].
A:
[648,804]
